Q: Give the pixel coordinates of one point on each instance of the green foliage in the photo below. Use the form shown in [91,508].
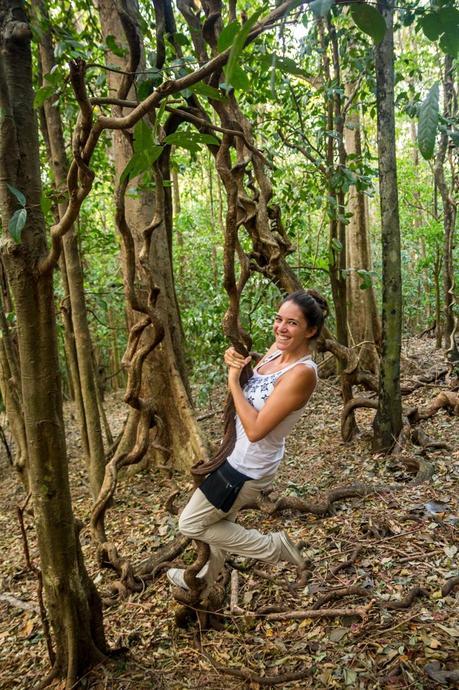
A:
[19,218]
[234,76]
[369,20]
[428,122]
[442,23]
[16,224]
[18,194]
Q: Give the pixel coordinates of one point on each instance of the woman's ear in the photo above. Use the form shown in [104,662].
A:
[311,332]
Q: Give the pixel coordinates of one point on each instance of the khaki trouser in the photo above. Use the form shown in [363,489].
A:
[201,520]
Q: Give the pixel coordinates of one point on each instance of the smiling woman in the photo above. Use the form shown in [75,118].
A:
[267,407]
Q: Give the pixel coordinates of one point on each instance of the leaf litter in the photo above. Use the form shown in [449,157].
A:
[378,549]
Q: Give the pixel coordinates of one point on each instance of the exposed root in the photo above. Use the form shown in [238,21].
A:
[347,417]
[151,567]
[352,558]
[252,677]
[320,507]
[450,585]
[420,438]
[444,400]
[406,602]
[170,505]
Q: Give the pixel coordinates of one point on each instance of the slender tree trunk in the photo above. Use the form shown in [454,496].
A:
[362,315]
[388,419]
[90,423]
[73,603]
[438,314]
[449,201]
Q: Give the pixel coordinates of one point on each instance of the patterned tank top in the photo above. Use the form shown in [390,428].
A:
[262,458]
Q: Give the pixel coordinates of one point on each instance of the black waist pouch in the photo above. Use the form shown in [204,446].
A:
[222,486]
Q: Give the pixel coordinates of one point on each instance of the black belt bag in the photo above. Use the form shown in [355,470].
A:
[222,486]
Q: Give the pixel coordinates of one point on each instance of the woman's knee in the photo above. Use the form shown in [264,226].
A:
[190,527]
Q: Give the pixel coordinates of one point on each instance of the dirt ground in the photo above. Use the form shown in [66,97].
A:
[397,540]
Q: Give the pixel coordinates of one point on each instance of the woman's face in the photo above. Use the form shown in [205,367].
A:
[291,329]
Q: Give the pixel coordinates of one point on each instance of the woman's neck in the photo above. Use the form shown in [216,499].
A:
[289,357]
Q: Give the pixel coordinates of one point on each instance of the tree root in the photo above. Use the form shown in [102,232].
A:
[320,507]
[352,558]
[150,568]
[252,677]
[170,505]
[406,602]
[347,417]
[445,399]
[450,585]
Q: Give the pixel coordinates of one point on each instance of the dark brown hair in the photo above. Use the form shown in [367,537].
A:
[313,305]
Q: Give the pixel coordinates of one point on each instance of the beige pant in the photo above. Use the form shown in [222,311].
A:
[201,520]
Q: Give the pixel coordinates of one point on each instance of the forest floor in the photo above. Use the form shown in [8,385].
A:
[397,540]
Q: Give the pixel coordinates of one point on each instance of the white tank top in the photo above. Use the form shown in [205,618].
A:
[262,458]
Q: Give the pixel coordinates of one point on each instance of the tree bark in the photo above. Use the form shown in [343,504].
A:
[164,374]
[388,419]
[89,415]
[362,316]
[73,603]
[449,202]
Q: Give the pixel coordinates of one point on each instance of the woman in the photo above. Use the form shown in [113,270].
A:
[266,409]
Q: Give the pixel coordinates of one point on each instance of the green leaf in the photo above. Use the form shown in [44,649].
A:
[238,46]
[321,8]
[113,46]
[19,195]
[285,64]
[240,80]
[227,36]
[449,42]
[203,89]
[454,136]
[42,94]
[428,122]
[367,280]
[369,20]
[141,162]
[16,224]
[449,19]
[336,244]
[143,136]
[431,25]
[45,204]
[145,88]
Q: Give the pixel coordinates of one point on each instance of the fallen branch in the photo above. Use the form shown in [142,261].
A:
[18,603]
[353,590]
[361,611]
[352,558]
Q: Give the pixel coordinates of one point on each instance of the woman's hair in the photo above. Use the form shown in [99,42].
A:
[313,305]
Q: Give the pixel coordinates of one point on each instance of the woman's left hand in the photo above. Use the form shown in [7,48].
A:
[235,363]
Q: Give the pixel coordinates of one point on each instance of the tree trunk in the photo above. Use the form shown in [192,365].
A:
[89,415]
[73,603]
[362,316]
[449,214]
[164,375]
[388,419]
